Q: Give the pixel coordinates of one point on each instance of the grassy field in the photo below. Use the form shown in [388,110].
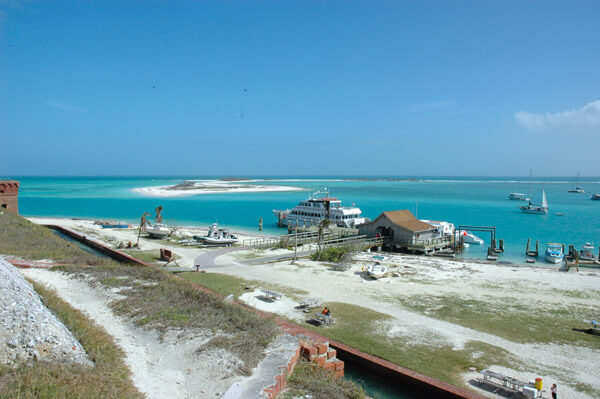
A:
[109,378]
[226,284]
[22,238]
[310,379]
[361,328]
[518,322]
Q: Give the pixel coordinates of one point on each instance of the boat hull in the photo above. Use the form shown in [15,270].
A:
[534,211]
[554,259]
[377,271]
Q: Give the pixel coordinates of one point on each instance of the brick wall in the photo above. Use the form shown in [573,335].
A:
[9,195]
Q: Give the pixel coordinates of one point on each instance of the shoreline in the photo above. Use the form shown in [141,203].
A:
[192,187]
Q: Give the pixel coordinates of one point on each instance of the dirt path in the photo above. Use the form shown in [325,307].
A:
[162,367]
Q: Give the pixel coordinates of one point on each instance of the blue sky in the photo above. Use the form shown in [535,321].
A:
[299,88]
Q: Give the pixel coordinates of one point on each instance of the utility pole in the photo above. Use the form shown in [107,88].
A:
[295,242]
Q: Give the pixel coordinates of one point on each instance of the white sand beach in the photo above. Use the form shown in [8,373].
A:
[188,188]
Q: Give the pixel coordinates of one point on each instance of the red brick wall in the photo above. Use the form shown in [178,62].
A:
[9,195]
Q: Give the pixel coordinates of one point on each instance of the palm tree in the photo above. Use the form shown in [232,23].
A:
[158,218]
[143,222]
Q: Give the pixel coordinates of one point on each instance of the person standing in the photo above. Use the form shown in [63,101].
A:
[553,390]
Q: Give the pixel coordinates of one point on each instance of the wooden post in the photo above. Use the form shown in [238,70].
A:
[527,249]
[260,224]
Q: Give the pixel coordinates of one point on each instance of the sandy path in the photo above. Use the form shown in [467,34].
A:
[161,368]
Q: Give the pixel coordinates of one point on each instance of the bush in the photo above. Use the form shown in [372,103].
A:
[334,254]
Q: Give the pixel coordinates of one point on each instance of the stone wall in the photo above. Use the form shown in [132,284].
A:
[9,195]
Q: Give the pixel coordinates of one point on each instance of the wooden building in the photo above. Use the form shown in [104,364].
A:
[401,229]
[9,195]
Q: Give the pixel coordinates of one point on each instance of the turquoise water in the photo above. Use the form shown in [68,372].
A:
[463,201]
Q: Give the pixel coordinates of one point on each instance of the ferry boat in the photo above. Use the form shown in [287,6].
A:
[554,253]
[317,207]
[518,197]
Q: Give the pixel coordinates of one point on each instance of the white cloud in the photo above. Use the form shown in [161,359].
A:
[587,116]
[65,107]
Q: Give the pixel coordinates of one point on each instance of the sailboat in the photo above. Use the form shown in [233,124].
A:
[577,189]
[535,208]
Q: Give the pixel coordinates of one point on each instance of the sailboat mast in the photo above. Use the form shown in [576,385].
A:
[530,172]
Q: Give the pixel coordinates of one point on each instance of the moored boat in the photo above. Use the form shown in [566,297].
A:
[595,197]
[468,237]
[518,197]
[317,207]
[588,252]
[535,208]
[554,253]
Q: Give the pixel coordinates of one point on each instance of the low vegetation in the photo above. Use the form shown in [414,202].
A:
[225,284]
[109,378]
[158,300]
[310,379]
[518,322]
[335,254]
[152,298]
[22,238]
[366,329]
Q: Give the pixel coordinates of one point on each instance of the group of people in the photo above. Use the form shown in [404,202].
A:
[326,311]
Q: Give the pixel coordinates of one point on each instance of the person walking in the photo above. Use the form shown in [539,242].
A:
[553,390]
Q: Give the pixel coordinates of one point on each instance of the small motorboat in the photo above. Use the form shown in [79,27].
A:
[217,236]
[559,214]
[554,253]
[587,252]
[158,230]
[468,237]
[577,190]
[377,270]
[595,197]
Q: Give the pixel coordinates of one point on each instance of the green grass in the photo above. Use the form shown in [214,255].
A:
[109,378]
[310,379]
[20,237]
[518,322]
[151,256]
[225,284]
[361,328]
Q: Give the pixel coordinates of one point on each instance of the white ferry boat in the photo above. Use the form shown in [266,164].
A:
[317,207]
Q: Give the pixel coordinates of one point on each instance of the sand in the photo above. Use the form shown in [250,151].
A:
[209,187]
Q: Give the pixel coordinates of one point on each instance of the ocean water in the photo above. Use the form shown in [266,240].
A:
[462,201]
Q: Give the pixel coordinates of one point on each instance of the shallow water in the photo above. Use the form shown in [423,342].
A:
[462,201]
